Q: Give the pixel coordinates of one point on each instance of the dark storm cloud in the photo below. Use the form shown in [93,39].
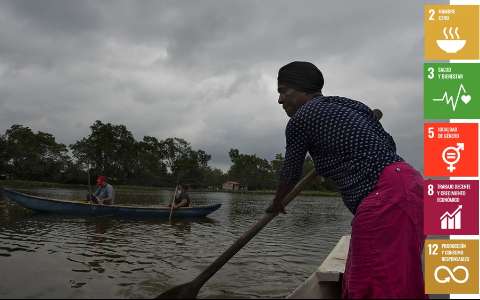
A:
[205,71]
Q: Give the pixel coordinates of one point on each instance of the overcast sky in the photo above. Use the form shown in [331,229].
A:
[205,71]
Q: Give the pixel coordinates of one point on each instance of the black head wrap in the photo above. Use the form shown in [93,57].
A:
[301,75]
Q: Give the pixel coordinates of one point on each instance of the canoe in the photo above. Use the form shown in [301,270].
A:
[326,281]
[56,206]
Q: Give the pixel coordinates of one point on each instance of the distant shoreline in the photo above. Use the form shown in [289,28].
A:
[40,184]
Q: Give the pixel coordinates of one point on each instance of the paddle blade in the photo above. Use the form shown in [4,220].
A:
[184,291]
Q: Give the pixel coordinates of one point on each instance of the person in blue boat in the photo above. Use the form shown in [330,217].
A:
[105,194]
[182,199]
[349,145]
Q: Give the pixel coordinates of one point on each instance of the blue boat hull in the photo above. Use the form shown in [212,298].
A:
[86,209]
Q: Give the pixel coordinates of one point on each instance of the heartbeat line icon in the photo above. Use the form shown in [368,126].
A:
[454,101]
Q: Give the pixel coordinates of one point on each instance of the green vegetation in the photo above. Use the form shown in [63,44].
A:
[24,184]
[304,193]
[36,159]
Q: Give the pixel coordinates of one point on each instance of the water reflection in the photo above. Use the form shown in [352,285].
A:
[76,257]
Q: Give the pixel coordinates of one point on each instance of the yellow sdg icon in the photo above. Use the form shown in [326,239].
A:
[450,274]
[451,266]
[451,32]
[452,42]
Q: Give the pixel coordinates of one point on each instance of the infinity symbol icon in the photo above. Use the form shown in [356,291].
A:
[451,274]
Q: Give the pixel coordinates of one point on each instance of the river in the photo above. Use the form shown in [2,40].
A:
[53,256]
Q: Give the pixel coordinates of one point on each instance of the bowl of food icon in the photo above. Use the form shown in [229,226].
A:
[451,46]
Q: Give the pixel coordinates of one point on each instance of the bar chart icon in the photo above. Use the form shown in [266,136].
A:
[452,221]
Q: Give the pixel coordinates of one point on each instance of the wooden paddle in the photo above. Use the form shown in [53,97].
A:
[89,186]
[89,198]
[191,289]
[173,203]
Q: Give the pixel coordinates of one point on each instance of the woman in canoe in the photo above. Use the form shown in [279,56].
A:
[384,193]
[182,199]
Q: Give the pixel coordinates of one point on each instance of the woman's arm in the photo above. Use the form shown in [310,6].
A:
[181,204]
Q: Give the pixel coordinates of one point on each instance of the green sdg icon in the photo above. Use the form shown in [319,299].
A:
[451,91]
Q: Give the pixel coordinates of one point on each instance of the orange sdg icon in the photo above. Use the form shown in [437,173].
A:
[451,266]
[451,149]
[451,32]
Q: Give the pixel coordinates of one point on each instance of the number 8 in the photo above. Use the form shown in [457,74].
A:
[430,189]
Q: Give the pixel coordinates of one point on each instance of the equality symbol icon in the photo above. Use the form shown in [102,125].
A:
[451,155]
[452,43]
[452,220]
[451,274]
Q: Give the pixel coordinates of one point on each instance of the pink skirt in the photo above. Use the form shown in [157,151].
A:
[384,259]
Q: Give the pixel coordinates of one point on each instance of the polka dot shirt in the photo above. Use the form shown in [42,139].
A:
[345,142]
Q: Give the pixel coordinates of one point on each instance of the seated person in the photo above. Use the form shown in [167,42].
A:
[104,194]
[182,199]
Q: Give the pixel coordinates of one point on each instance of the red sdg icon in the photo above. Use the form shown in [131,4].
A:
[451,155]
[451,149]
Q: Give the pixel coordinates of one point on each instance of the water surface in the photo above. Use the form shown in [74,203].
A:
[54,256]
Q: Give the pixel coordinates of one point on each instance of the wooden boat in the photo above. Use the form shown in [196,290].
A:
[326,281]
[42,204]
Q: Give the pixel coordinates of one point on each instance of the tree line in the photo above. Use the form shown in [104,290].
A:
[112,150]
